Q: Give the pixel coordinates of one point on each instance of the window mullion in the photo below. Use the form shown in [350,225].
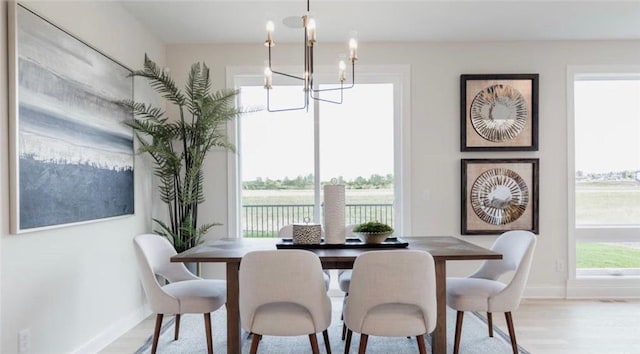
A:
[316,158]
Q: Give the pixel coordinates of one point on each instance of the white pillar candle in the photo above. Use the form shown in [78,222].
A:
[334,214]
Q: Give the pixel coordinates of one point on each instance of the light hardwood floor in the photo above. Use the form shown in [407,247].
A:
[542,327]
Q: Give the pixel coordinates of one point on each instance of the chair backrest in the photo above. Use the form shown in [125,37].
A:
[517,249]
[281,276]
[392,277]
[153,253]
[286,231]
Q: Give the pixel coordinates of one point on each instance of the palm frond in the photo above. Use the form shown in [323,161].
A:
[198,86]
[161,82]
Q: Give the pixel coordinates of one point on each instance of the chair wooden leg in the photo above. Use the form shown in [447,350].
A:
[314,343]
[363,343]
[327,344]
[456,342]
[490,323]
[344,325]
[421,347]
[255,342]
[156,333]
[207,328]
[177,325]
[512,332]
[347,343]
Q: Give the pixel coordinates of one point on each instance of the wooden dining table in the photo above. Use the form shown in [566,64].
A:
[231,250]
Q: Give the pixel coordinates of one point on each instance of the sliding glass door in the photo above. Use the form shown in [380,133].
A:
[285,158]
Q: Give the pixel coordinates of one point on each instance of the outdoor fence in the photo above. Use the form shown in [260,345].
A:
[266,220]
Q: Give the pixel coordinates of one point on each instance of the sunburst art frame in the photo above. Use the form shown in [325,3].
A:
[499,112]
[499,195]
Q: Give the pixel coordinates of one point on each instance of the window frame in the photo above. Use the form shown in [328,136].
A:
[592,233]
[398,75]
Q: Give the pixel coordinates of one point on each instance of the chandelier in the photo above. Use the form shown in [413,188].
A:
[310,91]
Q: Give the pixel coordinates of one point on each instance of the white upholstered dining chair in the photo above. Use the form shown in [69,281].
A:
[287,232]
[185,293]
[482,291]
[392,294]
[282,293]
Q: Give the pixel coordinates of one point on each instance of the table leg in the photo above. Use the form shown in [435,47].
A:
[234,339]
[440,334]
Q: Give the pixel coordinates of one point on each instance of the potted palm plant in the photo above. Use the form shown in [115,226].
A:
[178,146]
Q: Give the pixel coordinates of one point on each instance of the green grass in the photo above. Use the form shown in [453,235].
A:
[305,196]
[604,255]
[608,203]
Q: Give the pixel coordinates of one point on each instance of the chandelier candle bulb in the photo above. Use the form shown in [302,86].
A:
[334,214]
[311,31]
[268,78]
[341,68]
[353,49]
[270,28]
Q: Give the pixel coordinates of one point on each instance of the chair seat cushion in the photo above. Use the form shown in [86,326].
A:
[344,280]
[286,319]
[392,320]
[198,296]
[472,294]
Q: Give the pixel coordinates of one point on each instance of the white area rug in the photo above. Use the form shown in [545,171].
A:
[475,338]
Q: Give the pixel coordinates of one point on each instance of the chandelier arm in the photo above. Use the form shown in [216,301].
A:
[334,88]
[353,81]
[288,75]
[317,98]
[328,101]
[306,104]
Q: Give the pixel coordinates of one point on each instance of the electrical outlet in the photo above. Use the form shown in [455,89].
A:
[24,340]
[559,265]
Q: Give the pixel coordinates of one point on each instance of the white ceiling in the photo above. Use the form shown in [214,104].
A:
[228,21]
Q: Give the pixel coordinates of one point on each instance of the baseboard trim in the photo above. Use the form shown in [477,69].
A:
[544,292]
[585,289]
[602,289]
[113,332]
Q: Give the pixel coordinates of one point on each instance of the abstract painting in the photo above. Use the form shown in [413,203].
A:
[499,112]
[499,195]
[72,156]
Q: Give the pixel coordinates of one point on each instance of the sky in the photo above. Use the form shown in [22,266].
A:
[356,137]
[607,125]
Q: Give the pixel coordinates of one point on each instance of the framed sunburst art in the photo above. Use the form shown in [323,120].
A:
[499,112]
[499,195]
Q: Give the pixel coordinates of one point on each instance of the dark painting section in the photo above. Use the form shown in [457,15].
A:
[53,193]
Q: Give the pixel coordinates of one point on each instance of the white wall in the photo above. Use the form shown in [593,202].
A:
[435,73]
[76,287]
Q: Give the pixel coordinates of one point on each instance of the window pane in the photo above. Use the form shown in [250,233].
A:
[607,152]
[356,148]
[276,162]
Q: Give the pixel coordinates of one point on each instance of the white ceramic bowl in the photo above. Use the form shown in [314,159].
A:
[373,237]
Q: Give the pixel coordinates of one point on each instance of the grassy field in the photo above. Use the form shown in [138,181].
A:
[305,196]
[608,202]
